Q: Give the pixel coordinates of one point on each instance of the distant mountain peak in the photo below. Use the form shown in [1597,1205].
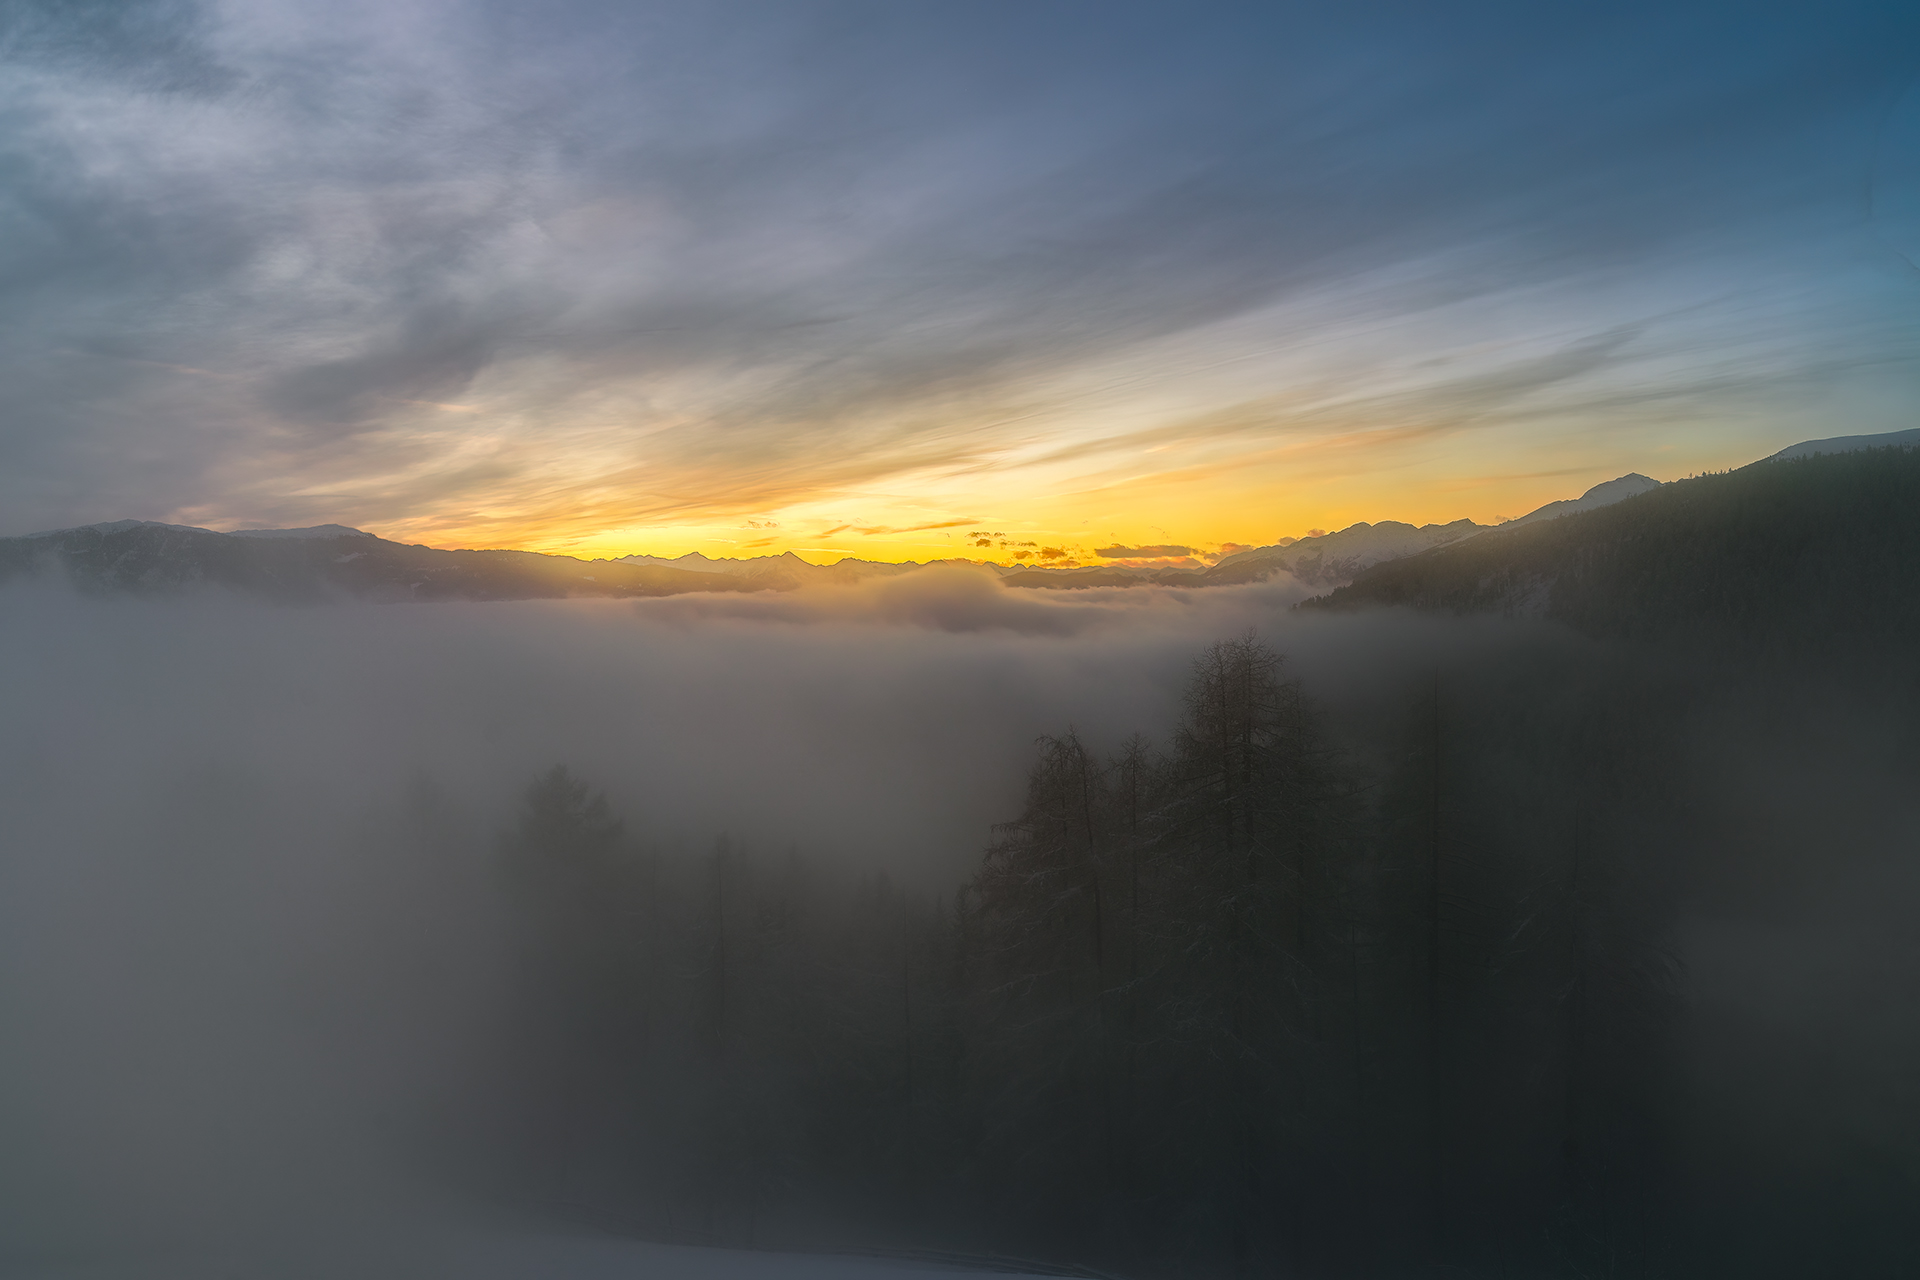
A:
[145,554]
[313,531]
[118,526]
[123,526]
[1605,494]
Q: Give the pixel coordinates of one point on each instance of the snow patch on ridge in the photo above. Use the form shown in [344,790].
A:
[1631,485]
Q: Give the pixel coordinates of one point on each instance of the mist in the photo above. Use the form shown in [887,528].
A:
[258,958]
[227,1022]
[871,721]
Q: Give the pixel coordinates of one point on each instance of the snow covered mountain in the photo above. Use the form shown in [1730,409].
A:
[1335,557]
[313,531]
[1631,485]
[116,526]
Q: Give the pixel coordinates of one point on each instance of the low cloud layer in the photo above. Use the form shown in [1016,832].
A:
[226,1029]
[221,1032]
[957,599]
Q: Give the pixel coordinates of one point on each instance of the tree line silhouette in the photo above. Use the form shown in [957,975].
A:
[1229,1004]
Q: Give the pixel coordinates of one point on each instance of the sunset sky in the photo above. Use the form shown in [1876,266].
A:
[870,278]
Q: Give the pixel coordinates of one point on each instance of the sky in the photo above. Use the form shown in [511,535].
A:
[909,281]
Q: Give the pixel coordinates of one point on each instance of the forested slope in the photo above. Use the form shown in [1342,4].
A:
[1477,980]
[1784,552]
[1236,1002]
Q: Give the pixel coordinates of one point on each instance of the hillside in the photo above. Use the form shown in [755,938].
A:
[316,565]
[1788,549]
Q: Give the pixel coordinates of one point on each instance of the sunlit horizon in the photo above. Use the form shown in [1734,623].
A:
[464,281]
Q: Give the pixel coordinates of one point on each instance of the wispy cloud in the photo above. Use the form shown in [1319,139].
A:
[437,268]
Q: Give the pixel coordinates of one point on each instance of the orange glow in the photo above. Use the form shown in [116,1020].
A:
[1212,505]
[1242,434]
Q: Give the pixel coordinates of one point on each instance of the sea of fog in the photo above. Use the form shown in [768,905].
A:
[888,723]
[220,1009]
[218,1016]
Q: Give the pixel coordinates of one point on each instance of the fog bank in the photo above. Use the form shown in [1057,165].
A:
[873,722]
[226,1025]
[249,941]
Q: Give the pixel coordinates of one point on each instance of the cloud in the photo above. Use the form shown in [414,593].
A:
[224,913]
[158,46]
[219,1032]
[227,825]
[1117,552]
[949,598]
[906,528]
[843,259]
[434,359]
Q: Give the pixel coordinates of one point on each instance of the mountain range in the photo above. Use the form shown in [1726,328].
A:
[1812,545]
[333,561]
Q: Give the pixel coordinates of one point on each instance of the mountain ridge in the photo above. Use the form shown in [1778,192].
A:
[1795,550]
[333,561]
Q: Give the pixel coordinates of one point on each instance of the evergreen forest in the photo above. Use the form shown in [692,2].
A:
[1291,990]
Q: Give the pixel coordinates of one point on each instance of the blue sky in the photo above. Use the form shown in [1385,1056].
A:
[859,278]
